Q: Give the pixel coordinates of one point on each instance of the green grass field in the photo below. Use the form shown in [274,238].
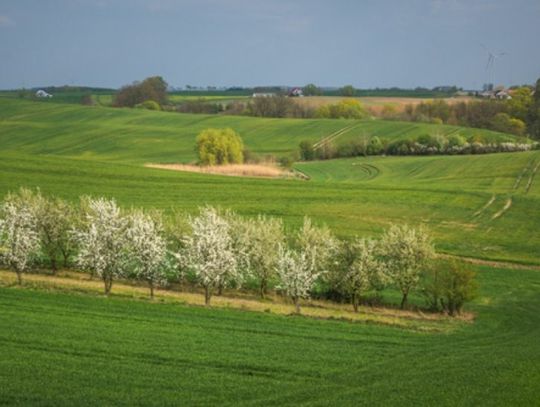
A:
[61,348]
[68,349]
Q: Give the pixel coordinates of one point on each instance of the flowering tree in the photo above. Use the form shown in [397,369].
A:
[318,245]
[362,269]
[102,240]
[296,274]
[148,249]
[209,251]
[298,270]
[406,251]
[258,241]
[19,236]
[54,220]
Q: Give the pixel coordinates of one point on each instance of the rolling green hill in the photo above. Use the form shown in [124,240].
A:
[71,150]
[61,348]
[140,136]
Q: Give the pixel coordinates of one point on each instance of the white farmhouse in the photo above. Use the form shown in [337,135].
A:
[42,94]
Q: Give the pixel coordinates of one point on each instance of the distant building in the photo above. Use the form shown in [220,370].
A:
[498,92]
[42,94]
[296,92]
[263,95]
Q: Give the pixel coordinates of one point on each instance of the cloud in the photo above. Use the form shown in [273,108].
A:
[5,21]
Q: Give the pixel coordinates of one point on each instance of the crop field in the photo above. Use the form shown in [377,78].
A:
[75,348]
[142,136]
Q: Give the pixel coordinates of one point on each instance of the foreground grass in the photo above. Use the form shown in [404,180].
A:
[63,348]
[78,282]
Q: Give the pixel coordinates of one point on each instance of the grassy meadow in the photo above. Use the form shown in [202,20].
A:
[61,348]
[68,347]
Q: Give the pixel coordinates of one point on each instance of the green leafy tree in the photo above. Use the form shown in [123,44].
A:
[220,146]
[153,88]
[307,152]
[448,285]
[347,90]
[503,122]
[406,252]
[312,90]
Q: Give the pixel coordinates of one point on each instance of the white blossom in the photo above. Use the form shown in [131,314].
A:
[318,245]
[364,270]
[209,251]
[257,242]
[148,249]
[103,243]
[296,274]
[19,236]
[405,252]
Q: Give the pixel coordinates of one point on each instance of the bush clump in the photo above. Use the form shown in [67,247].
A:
[220,146]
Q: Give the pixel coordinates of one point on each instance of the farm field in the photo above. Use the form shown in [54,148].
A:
[74,347]
[140,136]
[461,199]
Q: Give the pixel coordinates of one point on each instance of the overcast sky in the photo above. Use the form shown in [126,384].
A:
[367,43]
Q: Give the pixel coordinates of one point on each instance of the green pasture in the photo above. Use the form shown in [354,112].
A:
[66,349]
[71,150]
[140,136]
[63,348]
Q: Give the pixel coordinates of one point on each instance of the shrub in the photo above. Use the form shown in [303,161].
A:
[219,146]
[148,105]
[345,109]
[448,285]
[307,152]
[375,146]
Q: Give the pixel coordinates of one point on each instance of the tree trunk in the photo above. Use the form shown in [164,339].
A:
[355,302]
[220,290]
[296,304]
[54,267]
[107,281]
[19,277]
[263,288]
[65,256]
[151,290]
[207,295]
[404,300]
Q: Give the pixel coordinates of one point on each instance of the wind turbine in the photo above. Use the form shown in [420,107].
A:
[490,66]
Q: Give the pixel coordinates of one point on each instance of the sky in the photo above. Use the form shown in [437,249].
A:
[366,43]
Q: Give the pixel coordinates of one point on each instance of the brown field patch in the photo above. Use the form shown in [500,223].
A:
[234,170]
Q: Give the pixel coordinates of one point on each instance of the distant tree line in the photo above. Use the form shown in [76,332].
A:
[519,115]
[218,249]
[425,144]
[151,89]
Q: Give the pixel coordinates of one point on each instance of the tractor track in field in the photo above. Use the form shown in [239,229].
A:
[333,136]
[529,171]
[487,205]
[531,178]
[370,170]
[506,206]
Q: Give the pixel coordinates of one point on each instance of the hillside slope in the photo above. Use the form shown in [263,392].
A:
[141,136]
